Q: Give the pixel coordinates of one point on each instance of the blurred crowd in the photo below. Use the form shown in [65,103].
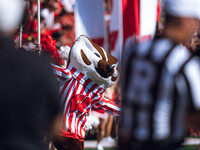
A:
[57,20]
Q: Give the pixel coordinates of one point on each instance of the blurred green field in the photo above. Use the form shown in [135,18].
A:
[191,147]
[188,147]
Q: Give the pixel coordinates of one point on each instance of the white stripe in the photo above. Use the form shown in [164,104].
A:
[63,74]
[83,79]
[67,101]
[70,93]
[177,58]
[74,119]
[55,65]
[160,49]
[163,107]
[85,111]
[105,54]
[95,106]
[79,89]
[76,74]
[73,123]
[192,71]
[83,133]
[56,72]
[66,91]
[80,123]
[67,120]
[162,119]
[87,88]
[82,130]
[102,90]
[95,90]
[89,106]
[102,103]
[180,107]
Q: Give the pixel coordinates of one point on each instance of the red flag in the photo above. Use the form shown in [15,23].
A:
[131,20]
[139,20]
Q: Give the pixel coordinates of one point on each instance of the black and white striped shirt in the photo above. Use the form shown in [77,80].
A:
[159,78]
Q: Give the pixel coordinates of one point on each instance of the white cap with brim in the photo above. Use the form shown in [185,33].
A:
[183,8]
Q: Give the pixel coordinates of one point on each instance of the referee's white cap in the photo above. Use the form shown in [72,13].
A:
[184,8]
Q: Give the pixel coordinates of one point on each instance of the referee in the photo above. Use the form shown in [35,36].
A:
[159,79]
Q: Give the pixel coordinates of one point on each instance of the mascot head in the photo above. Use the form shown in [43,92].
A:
[93,61]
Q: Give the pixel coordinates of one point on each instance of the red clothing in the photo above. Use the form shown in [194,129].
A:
[78,95]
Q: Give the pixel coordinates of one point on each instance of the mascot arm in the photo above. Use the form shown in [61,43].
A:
[109,106]
[61,74]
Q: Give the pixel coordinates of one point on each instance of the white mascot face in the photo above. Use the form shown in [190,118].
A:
[10,14]
[93,61]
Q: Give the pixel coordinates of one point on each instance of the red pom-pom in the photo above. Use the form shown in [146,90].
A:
[49,48]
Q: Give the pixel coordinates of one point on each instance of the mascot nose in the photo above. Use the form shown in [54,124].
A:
[108,68]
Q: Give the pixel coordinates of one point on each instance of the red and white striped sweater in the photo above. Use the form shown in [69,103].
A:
[78,95]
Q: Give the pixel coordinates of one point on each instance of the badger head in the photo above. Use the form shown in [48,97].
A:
[93,61]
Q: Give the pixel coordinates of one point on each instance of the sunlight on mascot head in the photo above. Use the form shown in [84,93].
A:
[93,61]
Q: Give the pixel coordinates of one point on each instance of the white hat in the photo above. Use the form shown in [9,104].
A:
[183,8]
[10,14]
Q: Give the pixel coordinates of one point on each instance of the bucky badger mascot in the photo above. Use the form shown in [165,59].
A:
[89,72]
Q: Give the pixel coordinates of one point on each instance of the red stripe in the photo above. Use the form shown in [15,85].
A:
[64,88]
[85,85]
[114,111]
[79,119]
[92,88]
[71,115]
[68,105]
[82,125]
[67,83]
[98,91]
[97,100]
[61,70]
[82,91]
[79,77]
[102,91]
[131,18]
[60,77]
[66,110]
[105,107]
[73,70]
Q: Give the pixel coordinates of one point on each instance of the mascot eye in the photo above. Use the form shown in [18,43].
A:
[97,55]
